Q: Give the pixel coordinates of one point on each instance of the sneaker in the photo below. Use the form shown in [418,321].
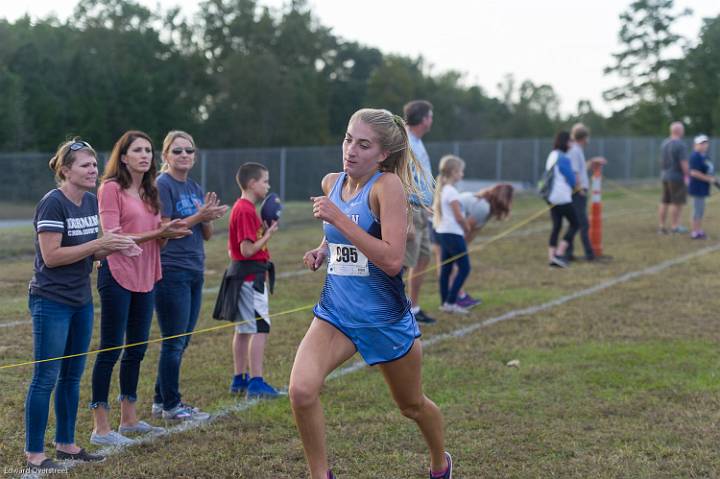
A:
[141,428]
[468,301]
[662,230]
[110,439]
[421,317]
[185,412]
[558,262]
[48,465]
[82,455]
[679,230]
[699,235]
[156,410]
[239,383]
[448,472]
[453,308]
[259,389]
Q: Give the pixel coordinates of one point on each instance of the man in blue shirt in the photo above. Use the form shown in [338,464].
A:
[419,117]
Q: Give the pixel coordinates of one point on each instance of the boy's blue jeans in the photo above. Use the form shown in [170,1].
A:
[178,297]
[58,330]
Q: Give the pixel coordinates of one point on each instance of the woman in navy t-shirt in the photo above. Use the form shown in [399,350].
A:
[178,294]
[66,244]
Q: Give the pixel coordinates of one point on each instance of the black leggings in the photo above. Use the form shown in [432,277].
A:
[557,213]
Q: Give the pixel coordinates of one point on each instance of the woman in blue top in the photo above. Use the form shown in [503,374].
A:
[66,244]
[178,294]
[561,200]
[363,306]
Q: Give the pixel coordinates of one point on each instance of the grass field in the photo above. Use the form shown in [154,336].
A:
[620,383]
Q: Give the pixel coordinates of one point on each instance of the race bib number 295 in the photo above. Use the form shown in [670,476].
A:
[347,260]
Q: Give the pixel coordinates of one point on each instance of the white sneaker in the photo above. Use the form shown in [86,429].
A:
[142,428]
[453,309]
[157,409]
[110,439]
[185,412]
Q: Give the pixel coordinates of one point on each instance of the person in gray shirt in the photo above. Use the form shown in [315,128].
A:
[674,162]
[580,135]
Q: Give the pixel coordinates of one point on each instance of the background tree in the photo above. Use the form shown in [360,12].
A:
[243,74]
[644,63]
[695,81]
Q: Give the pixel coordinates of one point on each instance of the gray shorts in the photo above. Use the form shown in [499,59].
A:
[418,244]
[253,310]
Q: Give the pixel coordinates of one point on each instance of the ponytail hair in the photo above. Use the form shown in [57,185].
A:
[392,138]
[65,155]
[449,164]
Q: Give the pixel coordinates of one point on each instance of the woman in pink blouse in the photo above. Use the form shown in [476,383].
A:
[129,204]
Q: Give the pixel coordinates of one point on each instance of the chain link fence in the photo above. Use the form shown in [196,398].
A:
[295,173]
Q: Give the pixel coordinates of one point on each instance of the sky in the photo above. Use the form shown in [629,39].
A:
[564,43]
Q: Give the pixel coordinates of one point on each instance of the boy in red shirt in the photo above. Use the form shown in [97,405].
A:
[247,246]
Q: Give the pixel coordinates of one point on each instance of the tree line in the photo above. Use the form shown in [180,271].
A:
[241,74]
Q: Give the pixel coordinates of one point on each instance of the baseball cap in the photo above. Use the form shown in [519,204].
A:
[271,208]
[701,139]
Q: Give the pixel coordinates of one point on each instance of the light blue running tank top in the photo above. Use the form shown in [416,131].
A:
[356,292]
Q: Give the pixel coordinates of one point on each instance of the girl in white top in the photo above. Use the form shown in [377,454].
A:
[561,200]
[451,226]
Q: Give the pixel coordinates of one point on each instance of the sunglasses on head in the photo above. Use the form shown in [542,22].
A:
[178,151]
[75,146]
[79,145]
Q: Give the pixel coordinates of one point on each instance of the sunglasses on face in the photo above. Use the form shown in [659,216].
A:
[178,151]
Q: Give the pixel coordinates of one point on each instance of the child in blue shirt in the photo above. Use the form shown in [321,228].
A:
[701,176]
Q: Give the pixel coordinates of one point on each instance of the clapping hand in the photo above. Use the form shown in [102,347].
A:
[211,209]
[111,241]
[174,229]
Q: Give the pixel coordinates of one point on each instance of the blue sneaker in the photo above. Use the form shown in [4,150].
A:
[448,472]
[259,389]
[239,383]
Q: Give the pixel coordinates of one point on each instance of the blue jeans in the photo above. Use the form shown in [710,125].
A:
[579,201]
[125,315]
[58,330]
[452,245]
[177,301]
[698,207]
